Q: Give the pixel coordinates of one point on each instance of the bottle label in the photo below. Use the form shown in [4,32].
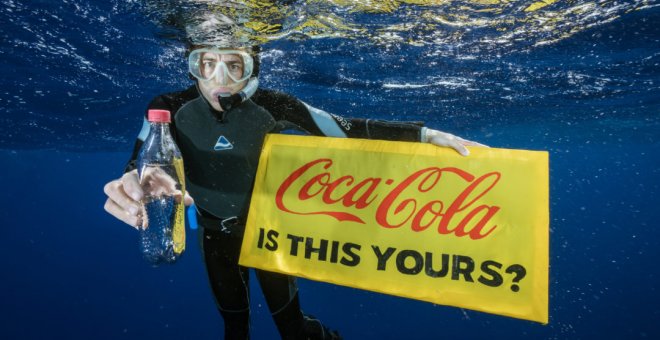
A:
[179,228]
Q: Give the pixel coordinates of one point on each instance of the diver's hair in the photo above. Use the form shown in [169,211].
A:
[253,51]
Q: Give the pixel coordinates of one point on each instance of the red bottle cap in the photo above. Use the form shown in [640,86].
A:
[158,116]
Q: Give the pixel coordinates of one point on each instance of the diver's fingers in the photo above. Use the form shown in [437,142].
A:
[459,144]
[188,200]
[448,140]
[164,183]
[472,143]
[131,185]
[459,147]
[115,210]
[115,190]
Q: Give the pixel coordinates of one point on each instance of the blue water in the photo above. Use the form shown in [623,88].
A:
[76,76]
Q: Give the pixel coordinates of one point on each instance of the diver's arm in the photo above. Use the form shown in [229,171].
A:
[389,130]
[318,122]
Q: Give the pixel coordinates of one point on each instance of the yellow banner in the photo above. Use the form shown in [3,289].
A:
[407,219]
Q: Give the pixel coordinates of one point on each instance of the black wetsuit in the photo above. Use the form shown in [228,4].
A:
[220,152]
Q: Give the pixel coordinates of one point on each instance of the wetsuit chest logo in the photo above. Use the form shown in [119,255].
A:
[223,144]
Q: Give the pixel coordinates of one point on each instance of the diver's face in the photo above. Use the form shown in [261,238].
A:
[218,76]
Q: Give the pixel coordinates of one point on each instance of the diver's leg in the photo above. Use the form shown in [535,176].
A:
[228,280]
[281,293]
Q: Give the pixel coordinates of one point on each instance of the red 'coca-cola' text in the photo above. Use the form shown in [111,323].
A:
[398,204]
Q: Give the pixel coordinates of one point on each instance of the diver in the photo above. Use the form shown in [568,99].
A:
[219,124]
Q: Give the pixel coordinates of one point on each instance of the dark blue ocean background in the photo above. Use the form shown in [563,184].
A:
[76,76]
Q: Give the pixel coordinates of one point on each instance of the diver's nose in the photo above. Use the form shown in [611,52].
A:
[220,75]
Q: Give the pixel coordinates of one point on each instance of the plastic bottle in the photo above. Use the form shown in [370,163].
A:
[160,172]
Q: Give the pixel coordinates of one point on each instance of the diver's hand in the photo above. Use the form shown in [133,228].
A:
[445,139]
[125,194]
[124,197]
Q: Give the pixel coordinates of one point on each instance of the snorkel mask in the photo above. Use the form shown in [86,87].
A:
[205,64]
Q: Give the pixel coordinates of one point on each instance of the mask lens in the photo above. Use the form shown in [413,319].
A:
[206,64]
